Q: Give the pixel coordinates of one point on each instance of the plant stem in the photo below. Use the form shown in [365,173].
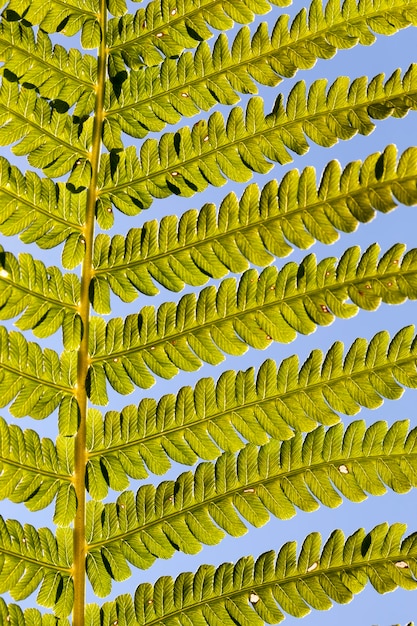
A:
[80,546]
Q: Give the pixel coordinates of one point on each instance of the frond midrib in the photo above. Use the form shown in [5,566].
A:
[80,450]
[251,309]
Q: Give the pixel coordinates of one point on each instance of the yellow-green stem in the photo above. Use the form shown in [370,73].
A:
[79,576]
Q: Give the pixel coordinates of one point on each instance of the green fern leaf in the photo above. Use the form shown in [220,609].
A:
[178,163]
[35,471]
[276,478]
[40,394]
[257,444]
[200,423]
[53,15]
[217,75]
[274,305]
[164,30]
[292,213]
[21,548]
[253,591]
[42,298]
[48,137]
[59,75]
[43,212]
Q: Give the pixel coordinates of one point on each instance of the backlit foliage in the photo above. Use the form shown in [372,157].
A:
[259,443]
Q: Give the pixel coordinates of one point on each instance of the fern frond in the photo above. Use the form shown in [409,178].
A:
[167,28]
[36,381]
[274,305]
[33,557]
[203,507]
[255,592]
[202,422]
[36,471]
[294,212]
[13,615]
[51,140]
[184,86]
[68,77]
[187,161]
[264,444]
[40,210]
[42,298]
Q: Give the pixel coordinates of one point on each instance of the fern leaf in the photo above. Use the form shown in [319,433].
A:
[274,305]
[50,139]
[277,478]
[163,30]
[41,211]
[35,471]
[217,74]
[43,298]
[295,212]
[199,423]
[255,592]
[61,76]
[37,382]
[67,112]
[189,160]
[33,557]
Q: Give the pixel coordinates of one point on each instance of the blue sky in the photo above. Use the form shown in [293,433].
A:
[367,609]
